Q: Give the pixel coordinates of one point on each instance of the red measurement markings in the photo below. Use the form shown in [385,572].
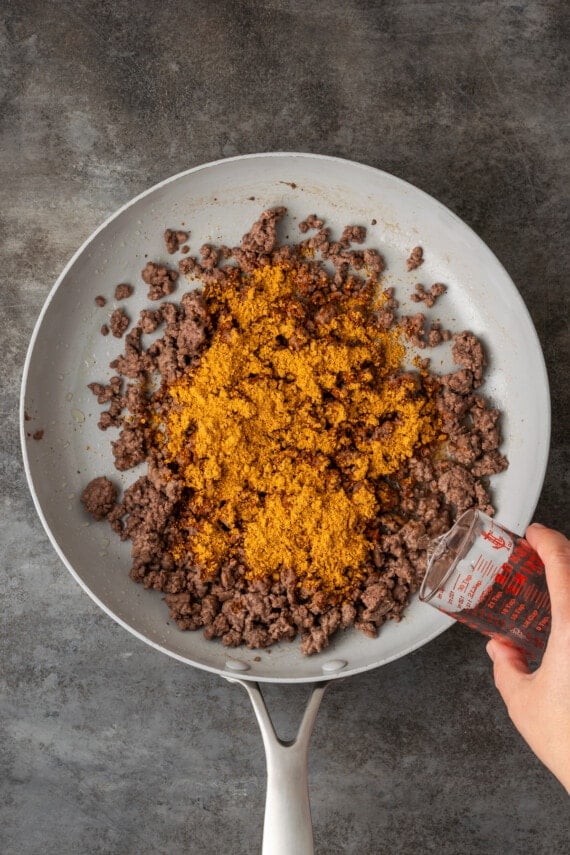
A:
[496,541]
[516,604]
[484,567]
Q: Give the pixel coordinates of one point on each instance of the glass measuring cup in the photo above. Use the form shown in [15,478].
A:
[490,579]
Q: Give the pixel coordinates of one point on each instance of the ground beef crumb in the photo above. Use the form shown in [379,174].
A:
[312,222]
[373,261]
[468,352]
[118,323]
[100,301]
[150,320]
[123,291]
[262,237]
[428,297]
[414,329]
[162,280]
[416,258]
[174,239]
[208,257]
[105,329]
[434,335]
[130,448]
[437,289]
[106,393]
[99,497]
[352,234]
[38,434]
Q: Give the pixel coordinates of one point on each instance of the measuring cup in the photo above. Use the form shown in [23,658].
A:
[490,579]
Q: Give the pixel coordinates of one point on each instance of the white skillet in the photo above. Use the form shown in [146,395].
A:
[217,202]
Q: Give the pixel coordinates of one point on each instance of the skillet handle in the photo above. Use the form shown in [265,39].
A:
[287,828]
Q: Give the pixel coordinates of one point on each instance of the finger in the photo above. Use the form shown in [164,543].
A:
[510,668]
[554,551]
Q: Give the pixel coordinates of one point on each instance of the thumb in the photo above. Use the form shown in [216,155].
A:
[510,668]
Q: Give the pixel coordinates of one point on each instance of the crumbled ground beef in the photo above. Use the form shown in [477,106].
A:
[416,258]
[338,252]
[173,239]
[312,222]
[100,301]
[123,291]
[105,393]
[468,352]
[436,334]
[352,234]
[428,297]
[417,505]
[150,320]
[118,323]
[105,329]
[162,280]
[414,328]
[99,497]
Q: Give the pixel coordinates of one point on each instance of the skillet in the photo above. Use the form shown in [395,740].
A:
[217,202]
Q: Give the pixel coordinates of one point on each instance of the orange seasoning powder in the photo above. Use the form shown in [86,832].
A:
[286,430]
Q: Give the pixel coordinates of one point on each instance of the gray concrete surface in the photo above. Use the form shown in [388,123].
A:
[107,746]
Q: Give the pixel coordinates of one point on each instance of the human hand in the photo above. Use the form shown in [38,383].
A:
[539,703]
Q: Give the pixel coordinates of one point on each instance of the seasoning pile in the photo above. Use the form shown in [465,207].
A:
[295,471]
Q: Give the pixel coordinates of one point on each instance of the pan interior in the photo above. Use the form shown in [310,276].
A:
[217,203]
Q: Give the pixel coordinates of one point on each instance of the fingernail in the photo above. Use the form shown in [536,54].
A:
[490,651]
[536,525]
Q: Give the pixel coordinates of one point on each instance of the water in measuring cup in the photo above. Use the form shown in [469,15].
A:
[490,579]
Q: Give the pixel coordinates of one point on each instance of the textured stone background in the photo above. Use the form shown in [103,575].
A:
[108,746]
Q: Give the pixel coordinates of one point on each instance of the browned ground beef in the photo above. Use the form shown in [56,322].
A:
[118,322]
[99,497]
[123,291]
[173,240]
[162,280]
[428,297]
[418,504]
[415,259]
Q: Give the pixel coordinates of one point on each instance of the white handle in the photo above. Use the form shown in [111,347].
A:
[287,829]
